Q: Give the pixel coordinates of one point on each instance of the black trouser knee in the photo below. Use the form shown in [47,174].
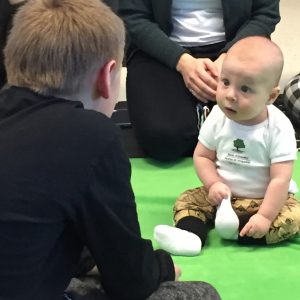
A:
[195,226]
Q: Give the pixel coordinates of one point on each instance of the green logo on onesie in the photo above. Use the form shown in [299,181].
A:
[237,156]
[238,144]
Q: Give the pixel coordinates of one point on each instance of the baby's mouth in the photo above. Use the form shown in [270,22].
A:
[230,110]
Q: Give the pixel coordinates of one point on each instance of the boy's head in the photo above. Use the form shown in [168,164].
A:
[60,47]
[249,79]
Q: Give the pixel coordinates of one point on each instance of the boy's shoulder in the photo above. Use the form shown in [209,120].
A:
[89,126]
[92,120]
[61,119]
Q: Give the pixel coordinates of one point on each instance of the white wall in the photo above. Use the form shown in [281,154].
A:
[287,36]
[122,96]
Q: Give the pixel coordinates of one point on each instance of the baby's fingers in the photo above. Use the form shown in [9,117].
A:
[246,229]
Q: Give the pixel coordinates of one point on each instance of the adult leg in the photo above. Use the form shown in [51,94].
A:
[162,110]
[196,290]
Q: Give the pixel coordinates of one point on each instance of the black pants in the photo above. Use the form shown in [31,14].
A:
[161,109]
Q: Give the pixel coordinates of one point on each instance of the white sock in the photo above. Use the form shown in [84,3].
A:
[226,221]
[177,241]
[227,231]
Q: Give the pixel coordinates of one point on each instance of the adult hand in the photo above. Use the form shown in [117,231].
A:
[217,192]
[200,76]
[177,272]
[257,226]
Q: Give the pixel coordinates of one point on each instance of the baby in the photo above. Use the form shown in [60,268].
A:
[246,152]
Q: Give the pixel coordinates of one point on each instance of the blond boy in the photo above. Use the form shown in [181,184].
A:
[64,177]
[65,180]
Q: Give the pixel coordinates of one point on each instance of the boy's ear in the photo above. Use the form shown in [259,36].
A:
[103,80]
[274,95]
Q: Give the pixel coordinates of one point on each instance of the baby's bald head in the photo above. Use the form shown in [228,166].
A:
[259,52]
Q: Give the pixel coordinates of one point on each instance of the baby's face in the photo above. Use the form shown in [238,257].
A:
[244,91]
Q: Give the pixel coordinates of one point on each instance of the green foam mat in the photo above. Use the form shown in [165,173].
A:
[237,272]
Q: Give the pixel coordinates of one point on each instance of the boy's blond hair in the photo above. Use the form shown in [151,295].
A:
[55,44]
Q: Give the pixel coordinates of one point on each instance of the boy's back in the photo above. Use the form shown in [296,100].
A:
[64,178]
[55,160]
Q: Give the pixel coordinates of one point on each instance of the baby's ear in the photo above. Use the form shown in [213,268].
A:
[274,95]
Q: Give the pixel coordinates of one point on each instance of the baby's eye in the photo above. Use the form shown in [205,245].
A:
[225,82]
[245,89]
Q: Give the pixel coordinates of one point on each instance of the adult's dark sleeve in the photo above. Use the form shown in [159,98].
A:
[146,34]
[249,18]
[114,4]
[130,268]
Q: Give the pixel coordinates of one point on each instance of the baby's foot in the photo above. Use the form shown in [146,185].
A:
[177,241]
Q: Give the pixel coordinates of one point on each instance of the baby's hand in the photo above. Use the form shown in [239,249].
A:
[257,226]
[177,272]
[217,192]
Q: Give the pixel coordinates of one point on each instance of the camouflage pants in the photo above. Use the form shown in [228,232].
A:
[194,203]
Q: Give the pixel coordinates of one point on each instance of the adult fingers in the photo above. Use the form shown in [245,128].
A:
[211,68]
[202,91]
